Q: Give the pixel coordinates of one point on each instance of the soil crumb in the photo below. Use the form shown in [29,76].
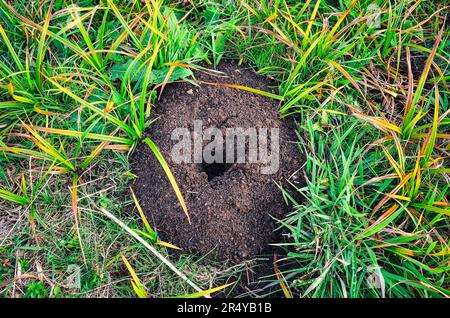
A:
[231,205]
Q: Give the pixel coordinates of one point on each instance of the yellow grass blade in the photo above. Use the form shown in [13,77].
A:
[311,20]
[42,46]
[169,174]
[393,163]
[153,238]
[136,283]
[169,245]
[338,23]
[205,292]
[379,123]
[387,196]
[245,88]
[45,146]
[429,143]
[346,74]
[282,281]
[80,134]
[401,154]
[10,48]
[141,213]
[125,24]
[398,197]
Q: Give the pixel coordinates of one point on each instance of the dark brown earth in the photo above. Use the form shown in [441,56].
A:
[230,206]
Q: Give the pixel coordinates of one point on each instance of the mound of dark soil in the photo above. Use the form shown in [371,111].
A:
[230,205]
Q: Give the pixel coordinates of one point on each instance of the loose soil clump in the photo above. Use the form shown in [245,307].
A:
[231,206]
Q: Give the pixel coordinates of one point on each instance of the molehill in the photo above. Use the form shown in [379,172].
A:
[232,206]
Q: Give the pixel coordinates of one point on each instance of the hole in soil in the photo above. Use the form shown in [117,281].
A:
[215,169]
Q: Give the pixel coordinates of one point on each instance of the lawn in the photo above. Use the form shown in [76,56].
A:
[363,81]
